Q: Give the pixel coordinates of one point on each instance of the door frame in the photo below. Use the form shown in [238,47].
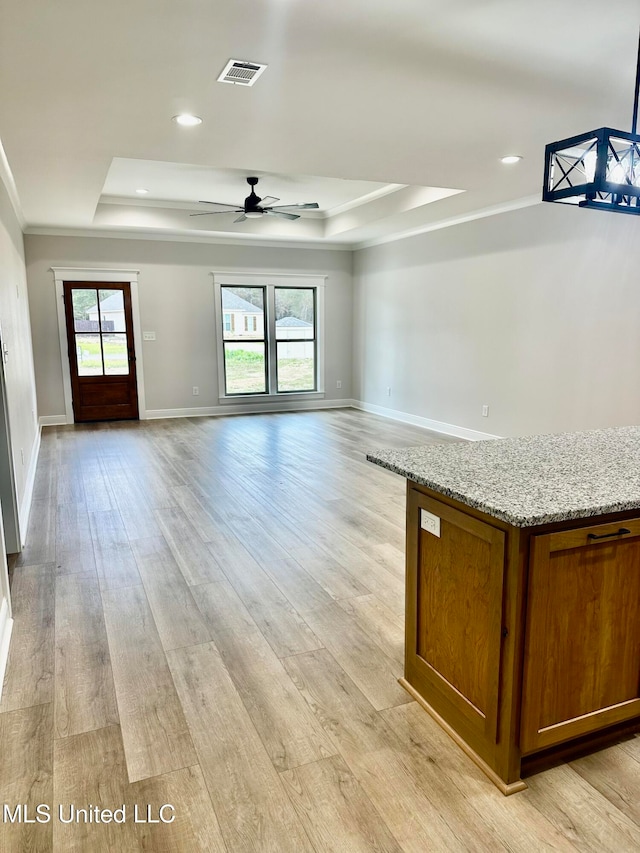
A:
[98,275]
[9,509]
[100,387]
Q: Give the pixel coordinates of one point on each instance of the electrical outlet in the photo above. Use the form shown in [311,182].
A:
[148,336]
[388,391]
[196,391]
[339,383]
[485,411]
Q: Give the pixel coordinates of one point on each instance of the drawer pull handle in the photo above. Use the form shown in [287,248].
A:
[620,532]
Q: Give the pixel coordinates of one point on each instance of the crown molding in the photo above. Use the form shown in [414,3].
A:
[181,237]
[288,243]
[482,213]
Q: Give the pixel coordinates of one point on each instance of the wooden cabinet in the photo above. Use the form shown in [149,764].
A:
[453,627]
[582,648]
[520,641]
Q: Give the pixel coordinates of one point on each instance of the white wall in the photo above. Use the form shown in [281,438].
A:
[17,398]
[535,313]
[177,302]
[19,369]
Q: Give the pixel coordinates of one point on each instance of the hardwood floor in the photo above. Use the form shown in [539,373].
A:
[209,615]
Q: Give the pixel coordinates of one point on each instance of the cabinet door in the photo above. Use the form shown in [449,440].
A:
[455,579]
[582,649]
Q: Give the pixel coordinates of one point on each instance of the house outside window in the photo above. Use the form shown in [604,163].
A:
[270,335]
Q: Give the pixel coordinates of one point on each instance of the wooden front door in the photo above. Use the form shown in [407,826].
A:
[101,351]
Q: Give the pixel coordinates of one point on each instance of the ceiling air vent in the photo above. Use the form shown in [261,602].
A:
[240,72]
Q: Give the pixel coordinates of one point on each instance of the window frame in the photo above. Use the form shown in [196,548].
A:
[264,340]
[270,282]
[314,293]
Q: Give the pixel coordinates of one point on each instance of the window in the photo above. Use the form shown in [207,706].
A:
[250,324]
[245,350]
[100,331]
[295,313]
[272,348]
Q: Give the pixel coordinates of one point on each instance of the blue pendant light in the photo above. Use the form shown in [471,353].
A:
[599,169]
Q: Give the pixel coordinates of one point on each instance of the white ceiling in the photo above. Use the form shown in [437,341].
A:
[366,95]
[183,182]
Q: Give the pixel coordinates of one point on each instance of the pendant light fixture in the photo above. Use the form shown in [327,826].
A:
[599,170]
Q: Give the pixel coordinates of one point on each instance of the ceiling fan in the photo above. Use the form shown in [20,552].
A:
[254,207]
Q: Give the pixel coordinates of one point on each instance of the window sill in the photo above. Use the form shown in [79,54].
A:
[271,398]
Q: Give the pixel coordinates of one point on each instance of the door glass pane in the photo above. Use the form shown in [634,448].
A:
[112,311]
[85,309]
[294,313]
[89,355]
[116,360]
[245,368]
[243,313]
[296,366]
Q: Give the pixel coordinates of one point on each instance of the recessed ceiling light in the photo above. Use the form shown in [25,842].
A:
[511,158]
[142,192]
[187,120]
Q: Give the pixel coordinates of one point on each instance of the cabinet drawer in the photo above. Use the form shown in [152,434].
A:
[578,538]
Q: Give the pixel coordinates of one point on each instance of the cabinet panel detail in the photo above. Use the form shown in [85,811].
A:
[582,660]
[455,594]
[457,612]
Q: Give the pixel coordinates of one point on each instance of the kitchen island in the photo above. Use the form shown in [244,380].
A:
[522,633]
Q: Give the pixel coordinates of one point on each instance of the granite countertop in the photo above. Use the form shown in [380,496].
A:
[532,480]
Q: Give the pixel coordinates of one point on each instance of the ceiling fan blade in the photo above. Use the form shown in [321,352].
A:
[310,206]
[281,214]
[219,203]
[267,200]
[213,212]
[240,218]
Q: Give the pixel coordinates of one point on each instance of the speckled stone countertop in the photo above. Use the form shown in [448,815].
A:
[532,480]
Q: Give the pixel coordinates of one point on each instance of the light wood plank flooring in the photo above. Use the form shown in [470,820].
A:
[209,614]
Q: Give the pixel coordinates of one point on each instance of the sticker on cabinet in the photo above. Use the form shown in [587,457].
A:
[429,522]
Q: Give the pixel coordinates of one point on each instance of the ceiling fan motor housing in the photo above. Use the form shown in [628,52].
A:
[252,201]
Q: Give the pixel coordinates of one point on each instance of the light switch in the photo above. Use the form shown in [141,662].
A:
[148,336]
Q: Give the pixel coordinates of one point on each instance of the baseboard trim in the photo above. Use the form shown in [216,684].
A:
[251,409]
[425,423]
[6,625]
[507,788]
[25,506]
[52,420]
